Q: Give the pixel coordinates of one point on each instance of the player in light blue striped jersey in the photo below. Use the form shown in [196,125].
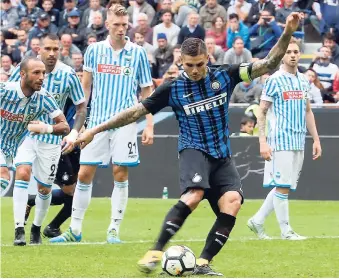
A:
[115,67]
[22,102]
[40,153]
[286,105]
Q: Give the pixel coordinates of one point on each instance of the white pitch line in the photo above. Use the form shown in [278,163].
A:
[243,239]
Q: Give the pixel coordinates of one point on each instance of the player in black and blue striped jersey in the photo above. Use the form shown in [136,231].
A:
[199,98]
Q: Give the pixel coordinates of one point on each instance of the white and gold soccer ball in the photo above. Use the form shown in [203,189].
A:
[178,260]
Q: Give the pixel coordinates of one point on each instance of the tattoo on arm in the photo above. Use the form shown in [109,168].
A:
[123,118]
[264,106]
[80,116]
[272,60]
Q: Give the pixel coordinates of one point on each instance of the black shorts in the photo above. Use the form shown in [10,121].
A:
[68,169]
[215,176]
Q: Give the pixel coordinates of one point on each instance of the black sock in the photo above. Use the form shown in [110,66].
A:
[218,235]
[63,214]
[173,222]
[57,197]
[31,200]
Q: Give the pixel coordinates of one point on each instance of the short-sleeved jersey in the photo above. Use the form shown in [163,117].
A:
[201,108]
[116,76]
[287,115]
[17,111]
[61,83]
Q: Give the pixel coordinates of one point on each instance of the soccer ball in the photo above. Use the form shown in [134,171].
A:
[178,260]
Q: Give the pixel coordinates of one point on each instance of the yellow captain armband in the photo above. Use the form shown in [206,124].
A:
[244,72]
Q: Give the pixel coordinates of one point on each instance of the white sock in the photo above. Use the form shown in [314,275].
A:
[118,204]
[280,202]
[4,184]
[265,210]
[81,200]
[42,203]
[20,198]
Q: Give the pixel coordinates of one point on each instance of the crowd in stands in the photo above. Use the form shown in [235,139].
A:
[235,31]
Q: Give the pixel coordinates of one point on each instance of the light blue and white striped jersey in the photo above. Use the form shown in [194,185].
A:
[287,115]
[17,111]
[61,83]
[116,76]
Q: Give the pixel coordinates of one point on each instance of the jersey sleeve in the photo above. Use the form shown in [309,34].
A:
[15,76]
[89,59]
[144,71]
[159,98]
[270,90]
[51,107]
[77,94]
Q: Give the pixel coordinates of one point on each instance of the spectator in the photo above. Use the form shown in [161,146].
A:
[29,10]
[3,77]
[140,6]
[67,49]
[328,19]
[329,41]
[80,73]
[241,8]
[98,28]
[70,5]
[143,27]
[282,14]
[42,27]
[172,73]
[246,127]
[87,17]
[167,27]
[314,94]
[237,29]
[5,49]
[246,92]
[257,8]
[192,30]
[218,32]
[325,70]
[20,47]
[216,54]
[34,48]
[74,29]
[6,65]
[26,24]
[238,53]
[91,39]
[181,10]
[209,12]
[139,39]
[77,60]
[177,58]
[317,19]
[266,33]
[163,55]
[8,18]
[47,6]
[165,5]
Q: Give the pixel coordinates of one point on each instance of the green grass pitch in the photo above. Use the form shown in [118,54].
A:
[243,256]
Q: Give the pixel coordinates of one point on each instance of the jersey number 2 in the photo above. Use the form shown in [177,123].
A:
[53,170]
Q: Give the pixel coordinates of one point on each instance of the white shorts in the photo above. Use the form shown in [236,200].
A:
[5,161]
[284,169]
[121,145]
[43,157]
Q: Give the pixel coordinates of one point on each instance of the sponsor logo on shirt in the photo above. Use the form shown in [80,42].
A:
[206,104]
[12,116]
[114,69]
[293,95]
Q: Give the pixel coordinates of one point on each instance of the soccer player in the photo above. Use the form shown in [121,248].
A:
[41,153]
[65,178]
[21,103]
[285,103]
[116,66]
[200,99]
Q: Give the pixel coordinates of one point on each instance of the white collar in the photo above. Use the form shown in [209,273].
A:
[19,90]
[128,45]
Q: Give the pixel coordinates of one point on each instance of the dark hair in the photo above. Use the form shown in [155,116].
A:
[233,16]
[177,46]
[51,36]
[237,38]
[91,35]
[81,69]
[140,31]
[193,47]
[24,63]
[246,119]
[165,12]
[329,36]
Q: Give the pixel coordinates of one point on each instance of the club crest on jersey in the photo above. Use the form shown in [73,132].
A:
[215,85]
[127,71]
[196,178]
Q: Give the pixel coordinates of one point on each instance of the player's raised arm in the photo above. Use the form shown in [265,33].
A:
[123,118]
[272,60]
